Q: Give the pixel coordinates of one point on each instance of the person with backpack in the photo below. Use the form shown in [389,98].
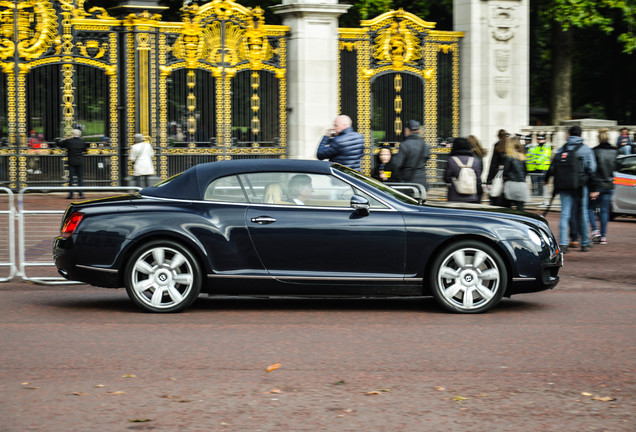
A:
[514,174]
[410,162]
[462,173]
[572,166]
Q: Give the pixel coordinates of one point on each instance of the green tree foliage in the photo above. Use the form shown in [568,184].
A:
[570,21]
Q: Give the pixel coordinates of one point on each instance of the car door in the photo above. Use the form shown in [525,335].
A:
[625,185]
[323,239]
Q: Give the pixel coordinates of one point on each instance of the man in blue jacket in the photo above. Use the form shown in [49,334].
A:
[342,144]
[568,197]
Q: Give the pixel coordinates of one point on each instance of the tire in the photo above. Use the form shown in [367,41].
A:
[163,276]
[468,277]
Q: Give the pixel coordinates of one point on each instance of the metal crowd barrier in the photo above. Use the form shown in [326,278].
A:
[7,242]
[38,227]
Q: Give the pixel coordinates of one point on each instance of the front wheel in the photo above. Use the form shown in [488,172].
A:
[163,276]
[468,277]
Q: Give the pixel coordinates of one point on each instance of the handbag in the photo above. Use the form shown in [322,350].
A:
[516,191]
[497,185]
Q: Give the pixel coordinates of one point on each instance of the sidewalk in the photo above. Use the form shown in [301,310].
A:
[536,203]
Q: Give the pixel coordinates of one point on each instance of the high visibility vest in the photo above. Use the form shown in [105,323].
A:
[538,157]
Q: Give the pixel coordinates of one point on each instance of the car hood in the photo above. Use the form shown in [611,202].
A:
[502,212]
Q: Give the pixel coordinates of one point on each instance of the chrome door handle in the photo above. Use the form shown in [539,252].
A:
[263,220]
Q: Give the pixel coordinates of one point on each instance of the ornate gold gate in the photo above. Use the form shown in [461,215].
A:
[210,87]
[398,68]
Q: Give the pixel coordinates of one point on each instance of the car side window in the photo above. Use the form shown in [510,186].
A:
[226,189]
[627,165]
[317,190]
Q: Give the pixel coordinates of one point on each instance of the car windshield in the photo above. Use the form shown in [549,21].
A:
[376,184]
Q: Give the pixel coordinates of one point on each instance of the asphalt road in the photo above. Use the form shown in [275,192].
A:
[82,358]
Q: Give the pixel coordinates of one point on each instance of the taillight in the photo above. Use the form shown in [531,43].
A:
[71,224]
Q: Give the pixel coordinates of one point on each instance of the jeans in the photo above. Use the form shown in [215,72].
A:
[537,183]
[567,200]
[602,204]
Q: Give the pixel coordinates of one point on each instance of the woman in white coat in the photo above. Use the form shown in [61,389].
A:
[141,154]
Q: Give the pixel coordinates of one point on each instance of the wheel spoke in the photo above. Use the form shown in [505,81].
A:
[452,290]
[468,299]
[177,260]
[143,285]
[156,297]
[490,274]
[479,259]
[159,255]
[484,292]
[460,258]
[183,278]
[174,294]
[143,267]
[449,273]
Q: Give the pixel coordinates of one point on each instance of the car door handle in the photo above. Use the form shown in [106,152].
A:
[263,220]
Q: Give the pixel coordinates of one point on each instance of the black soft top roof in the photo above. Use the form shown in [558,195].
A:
[191,183]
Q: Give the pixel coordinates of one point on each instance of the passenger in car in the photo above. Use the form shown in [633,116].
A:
[300,189]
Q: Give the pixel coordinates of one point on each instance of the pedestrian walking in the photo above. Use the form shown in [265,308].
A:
[480,153]
[514,174]
[602,186]
[461,161]
[141,154]
[572,166]
[497,160]
[410,161]
[75,149]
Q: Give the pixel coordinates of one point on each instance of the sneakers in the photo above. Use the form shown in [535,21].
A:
[596,236]
[586,247]
[603,240]
[574,244]
[564,249]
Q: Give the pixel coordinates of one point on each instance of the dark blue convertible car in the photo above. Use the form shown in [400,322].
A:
[300,228]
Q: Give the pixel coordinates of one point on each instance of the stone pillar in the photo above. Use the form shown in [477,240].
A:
[312,75]
[494,66]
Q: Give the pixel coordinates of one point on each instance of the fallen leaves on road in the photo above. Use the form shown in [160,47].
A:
[460,399]
[79,394]
[28,386]
[116,393]
[341,382]
[440,388]
[129,376]
[377,392]
[143,420]
[598,398]
[272,367]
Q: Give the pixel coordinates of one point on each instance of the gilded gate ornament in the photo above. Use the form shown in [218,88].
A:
[36,28]
[396,45]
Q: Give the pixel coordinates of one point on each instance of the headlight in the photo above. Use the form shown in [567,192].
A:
[534,237]
[546,237]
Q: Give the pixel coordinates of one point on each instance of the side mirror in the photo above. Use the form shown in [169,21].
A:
[360,204]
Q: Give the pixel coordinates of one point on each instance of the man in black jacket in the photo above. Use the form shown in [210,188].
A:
[75,149]
[410,162]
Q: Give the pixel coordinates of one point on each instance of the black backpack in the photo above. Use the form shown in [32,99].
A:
[568,170]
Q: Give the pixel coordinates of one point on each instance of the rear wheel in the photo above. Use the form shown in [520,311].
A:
[468,277]
[163,276]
